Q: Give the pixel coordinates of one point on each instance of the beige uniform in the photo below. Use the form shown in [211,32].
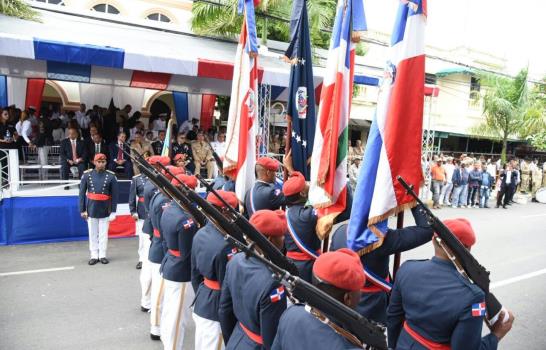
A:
[536,178]
[202,156]
[143,148]
[525,177]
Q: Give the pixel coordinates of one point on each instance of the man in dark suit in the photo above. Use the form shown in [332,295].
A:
[73,153]
[508,185]
[157,146]
[95,146]
[118,158]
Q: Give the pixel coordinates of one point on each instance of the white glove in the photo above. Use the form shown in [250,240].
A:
[112,217]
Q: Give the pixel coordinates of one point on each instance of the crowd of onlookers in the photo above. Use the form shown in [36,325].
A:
[83,133]
[467,181]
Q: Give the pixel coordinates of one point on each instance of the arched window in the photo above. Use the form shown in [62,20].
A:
[105,8]
[54,2]
[158,17]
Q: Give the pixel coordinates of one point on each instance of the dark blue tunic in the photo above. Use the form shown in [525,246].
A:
[251,297]
[158,247]
[210,255]
[136,196]
[437,302]
[263,195]
[177,230]
[95,182]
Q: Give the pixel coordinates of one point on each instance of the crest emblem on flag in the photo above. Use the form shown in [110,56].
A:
[301,102]
[250,102]
[277,294]
[478,310]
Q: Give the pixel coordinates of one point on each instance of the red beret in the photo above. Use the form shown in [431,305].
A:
[178,156]
[341,268]
[270,223]
[268,163]
[153,160]
[174,170]
[462,229]
[99,156]
[294,184]
[229,197]
[189,180]
[164,160]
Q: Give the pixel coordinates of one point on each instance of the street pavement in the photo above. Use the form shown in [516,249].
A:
[97,307]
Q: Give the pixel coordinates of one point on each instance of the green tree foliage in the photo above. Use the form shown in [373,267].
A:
[510,109]
[18,8]
[219,18]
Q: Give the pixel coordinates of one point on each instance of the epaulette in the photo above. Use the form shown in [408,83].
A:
[111,172]
[88,171]
[136,176]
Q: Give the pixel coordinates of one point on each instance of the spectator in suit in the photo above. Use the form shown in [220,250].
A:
[118,158]
[157,146]
[508,179]
[95,146]
[73,153]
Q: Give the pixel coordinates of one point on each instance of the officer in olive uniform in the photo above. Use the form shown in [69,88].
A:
[373,304]
[177,229]
[138,212]
[263,194]
[251,300]
[301,242]
[98,202]
[158,248]
[338,274]
[210,255]
[202,155]
[433,306]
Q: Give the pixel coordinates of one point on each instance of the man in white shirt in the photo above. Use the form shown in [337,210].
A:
[354,169]
[83,120]
[446,190]
[219,147]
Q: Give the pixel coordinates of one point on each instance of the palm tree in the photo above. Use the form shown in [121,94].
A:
[220,18]
[18,8]
[509,109]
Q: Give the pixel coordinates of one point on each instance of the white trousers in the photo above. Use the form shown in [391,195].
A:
[156,299]
[208,334]
[143,241]
[176,313]
[98,237]
[145,272]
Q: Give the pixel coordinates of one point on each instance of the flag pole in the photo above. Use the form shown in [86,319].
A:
[399,225]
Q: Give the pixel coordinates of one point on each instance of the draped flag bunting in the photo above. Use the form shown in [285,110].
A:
[394,142]
[301,95]
[166,151]
[328,190]
[240,153]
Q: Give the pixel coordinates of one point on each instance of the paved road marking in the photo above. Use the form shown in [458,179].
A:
[517,279]
[36,271]
[533,216]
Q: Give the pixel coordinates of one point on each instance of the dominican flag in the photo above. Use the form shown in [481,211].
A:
[277,294]
[240,153]
[329,159]
[394,142]
[166,151]
[301,100]
[478,310]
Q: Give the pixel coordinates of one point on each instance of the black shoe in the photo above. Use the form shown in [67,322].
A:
[139,265]
[104,261]
[66,187]
[504,207]
[485,206]
[143,309]
[154,337]
[93,261]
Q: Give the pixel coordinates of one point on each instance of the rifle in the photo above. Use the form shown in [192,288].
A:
[463,260]
[164,184]
[346,321]
[217,159]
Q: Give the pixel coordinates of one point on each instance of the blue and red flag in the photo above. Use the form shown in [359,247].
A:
[301,91]
[394,141]
[328,192]
[478,309]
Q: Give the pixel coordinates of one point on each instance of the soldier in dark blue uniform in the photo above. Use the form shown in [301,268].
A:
[301,242]
[338,274]
[138,212]
[373,304]
[223,182]
[433,306]
[98,202]
[158,248]
[263,194]
[177,229]
[251,300]
[210,255]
